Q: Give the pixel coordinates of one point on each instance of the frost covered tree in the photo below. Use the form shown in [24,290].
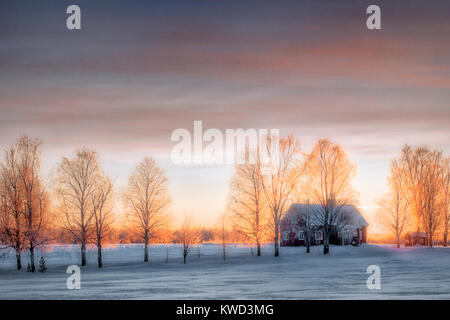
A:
[394,211]
[12,221]
[247,202]
[24,200]
[165,236]
[102,213]
[280,183]
[223,221]
[76,186]
[198,240]
[147,198]
[35,197]
[329,176]
[188,237]
[424,175]
[446,197]
[304,224]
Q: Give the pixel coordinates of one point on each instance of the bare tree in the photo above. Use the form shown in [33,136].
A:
[24,200]
[147,197]
[394,207]
[35,197]
[304,224]
[329,172]
[101,200]
[166,238]
[188,237]
[223,233]
[12,216]
[446,197]
[76,185]
[197,240]
[279,185]
[424,173]
[247,202]
[432,215]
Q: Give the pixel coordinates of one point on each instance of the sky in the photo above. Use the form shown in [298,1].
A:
[138,70]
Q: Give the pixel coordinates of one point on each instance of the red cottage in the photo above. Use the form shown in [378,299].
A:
[349,227]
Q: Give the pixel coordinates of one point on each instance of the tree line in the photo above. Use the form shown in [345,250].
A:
[418,197]
[76,205]
[79,199]
[82,200]
[259,200]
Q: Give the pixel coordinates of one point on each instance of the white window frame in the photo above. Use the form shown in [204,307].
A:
[300,235]
[286,235]
[316,235]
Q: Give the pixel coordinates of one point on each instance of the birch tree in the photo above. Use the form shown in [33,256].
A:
[147,198]
[76,186]
[432,215]
[280,183]
[34,195]
[24,200]
[304,224]
[247,202]
[424,173]
[188,237]
[395,205]
[329,172]
[446,197]
[12,230]
[223,234]
[101,202]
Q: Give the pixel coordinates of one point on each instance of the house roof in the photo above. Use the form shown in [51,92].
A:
[421,234]
[347,215]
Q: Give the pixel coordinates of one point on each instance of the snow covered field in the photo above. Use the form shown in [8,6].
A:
[408,273]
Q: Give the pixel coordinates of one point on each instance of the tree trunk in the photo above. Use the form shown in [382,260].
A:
[276,243]
[258,249]
[184,256]
[308,240]
[19,262]
[326,243]
[430,241]
[446,228]
[223,241]
[146,247]
[33,268]
[83,253]
[224,253]
[445,236]
[418,236]
[99,254]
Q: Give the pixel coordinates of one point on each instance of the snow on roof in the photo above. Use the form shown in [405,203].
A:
[347,215]
[421,234]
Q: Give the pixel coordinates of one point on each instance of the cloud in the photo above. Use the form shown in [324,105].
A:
[137,72]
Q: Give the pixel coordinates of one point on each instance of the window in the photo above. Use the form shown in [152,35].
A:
[286,235]
[300,235]
[318,235]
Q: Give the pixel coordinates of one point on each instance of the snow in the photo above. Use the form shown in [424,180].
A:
[406,273]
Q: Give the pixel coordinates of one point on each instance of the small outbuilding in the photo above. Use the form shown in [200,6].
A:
[412,239]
